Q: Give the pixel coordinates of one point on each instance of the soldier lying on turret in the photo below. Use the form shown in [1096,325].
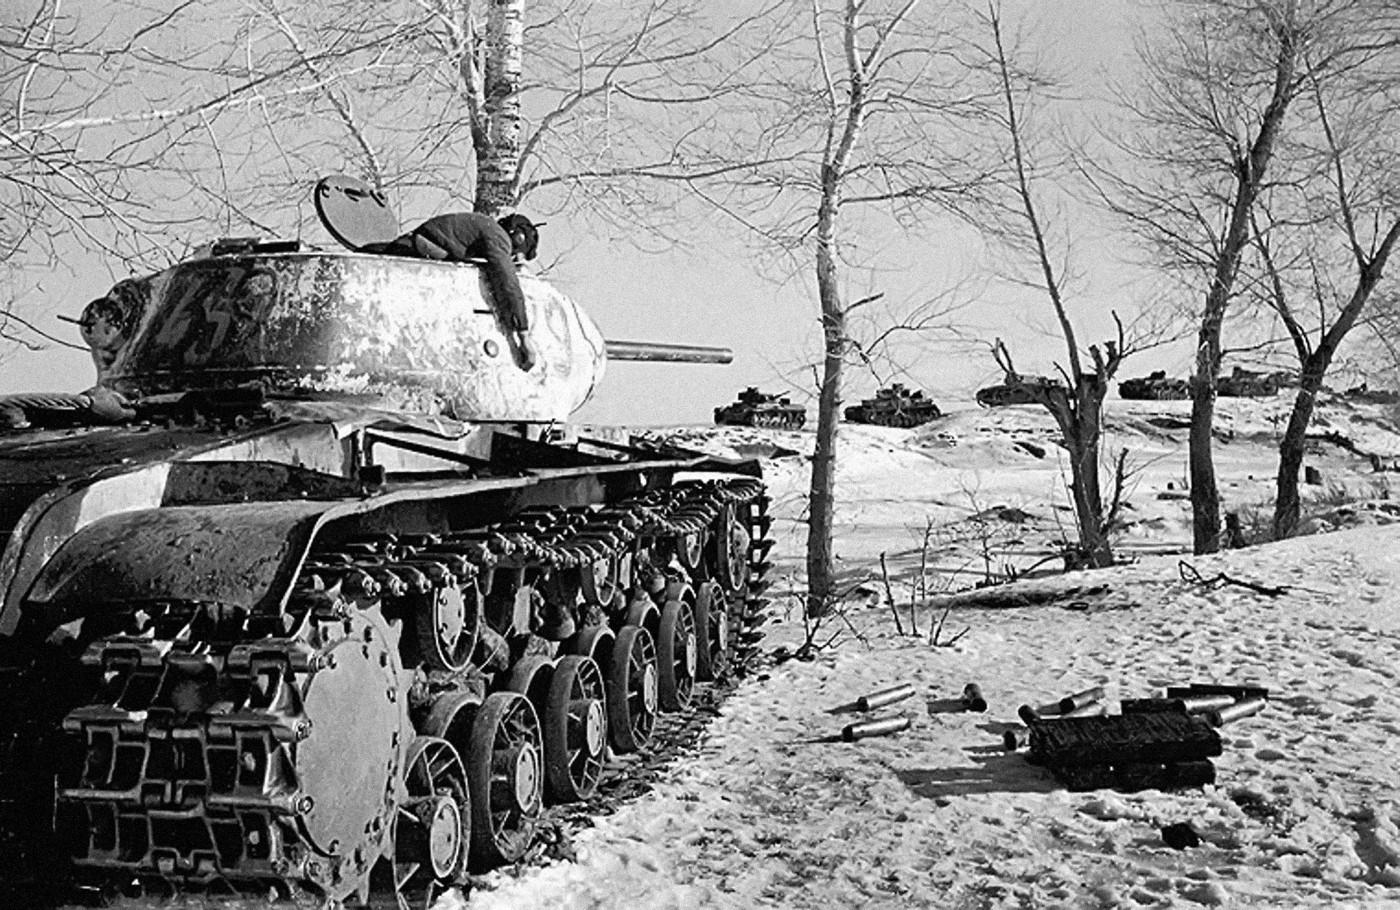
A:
[461,236]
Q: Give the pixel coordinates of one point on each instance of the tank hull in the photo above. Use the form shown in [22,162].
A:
[256,646]
[1022,392]
[783,417]
[893,417]
[1155,387]
[758,409]
[1243,383]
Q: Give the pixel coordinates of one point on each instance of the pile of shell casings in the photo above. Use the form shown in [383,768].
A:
[1164,743]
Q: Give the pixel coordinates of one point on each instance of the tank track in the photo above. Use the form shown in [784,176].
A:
[902,418]
[773,419]
[409,711]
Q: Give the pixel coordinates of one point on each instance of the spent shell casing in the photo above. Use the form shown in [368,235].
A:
[1223,716]
[1199,704]
[852,732]
[1088,709]
[972,699]
[884,697]
[1239,692]
[1028,715]
[1015,738]
[1080,699]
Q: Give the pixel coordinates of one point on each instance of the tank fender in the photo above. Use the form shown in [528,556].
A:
[53,517]
[241,554]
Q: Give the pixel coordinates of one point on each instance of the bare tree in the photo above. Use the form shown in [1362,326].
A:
[1075,400]
[1221,80]
[858,105]
[122,131]
[1220,131]
[1310,234]
[558,104]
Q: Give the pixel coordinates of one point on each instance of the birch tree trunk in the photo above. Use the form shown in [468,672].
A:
[1205,492]
[498,143]
[821,567]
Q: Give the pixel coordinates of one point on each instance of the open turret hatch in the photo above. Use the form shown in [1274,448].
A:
[353,212]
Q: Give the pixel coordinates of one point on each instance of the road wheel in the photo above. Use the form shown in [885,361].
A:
[676,653]
[505,778]
[632,689]
[598,581]
[731,551]
[711,632]
[575,730]
[432,830]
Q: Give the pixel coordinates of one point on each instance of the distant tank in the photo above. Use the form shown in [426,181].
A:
[1022,392]
[894,406]
[760,409]
[330,596]
[1154,387]
[1364,392]
[1242,383]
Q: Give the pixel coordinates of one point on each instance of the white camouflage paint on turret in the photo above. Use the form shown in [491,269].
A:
[414,334]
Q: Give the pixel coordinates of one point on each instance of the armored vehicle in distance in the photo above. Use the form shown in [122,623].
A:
[760,409]
[894,406]
[1155,386]
[1022,391]
[1242,383]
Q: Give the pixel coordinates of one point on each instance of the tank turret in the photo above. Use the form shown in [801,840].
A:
[417,335]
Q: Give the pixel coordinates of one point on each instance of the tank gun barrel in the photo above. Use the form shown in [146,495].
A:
[668,353]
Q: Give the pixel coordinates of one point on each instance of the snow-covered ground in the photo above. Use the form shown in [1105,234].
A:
[772,810]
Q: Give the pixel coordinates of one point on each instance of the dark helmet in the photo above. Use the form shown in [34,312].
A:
[524,238]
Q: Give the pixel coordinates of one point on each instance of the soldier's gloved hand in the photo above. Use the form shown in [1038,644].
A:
[524,352]
[108,406]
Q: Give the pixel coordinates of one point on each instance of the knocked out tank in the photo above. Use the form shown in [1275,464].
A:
[760,409]
[1024,391]
[1154,387]
[333,598]
[894,406]
[1242,383]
